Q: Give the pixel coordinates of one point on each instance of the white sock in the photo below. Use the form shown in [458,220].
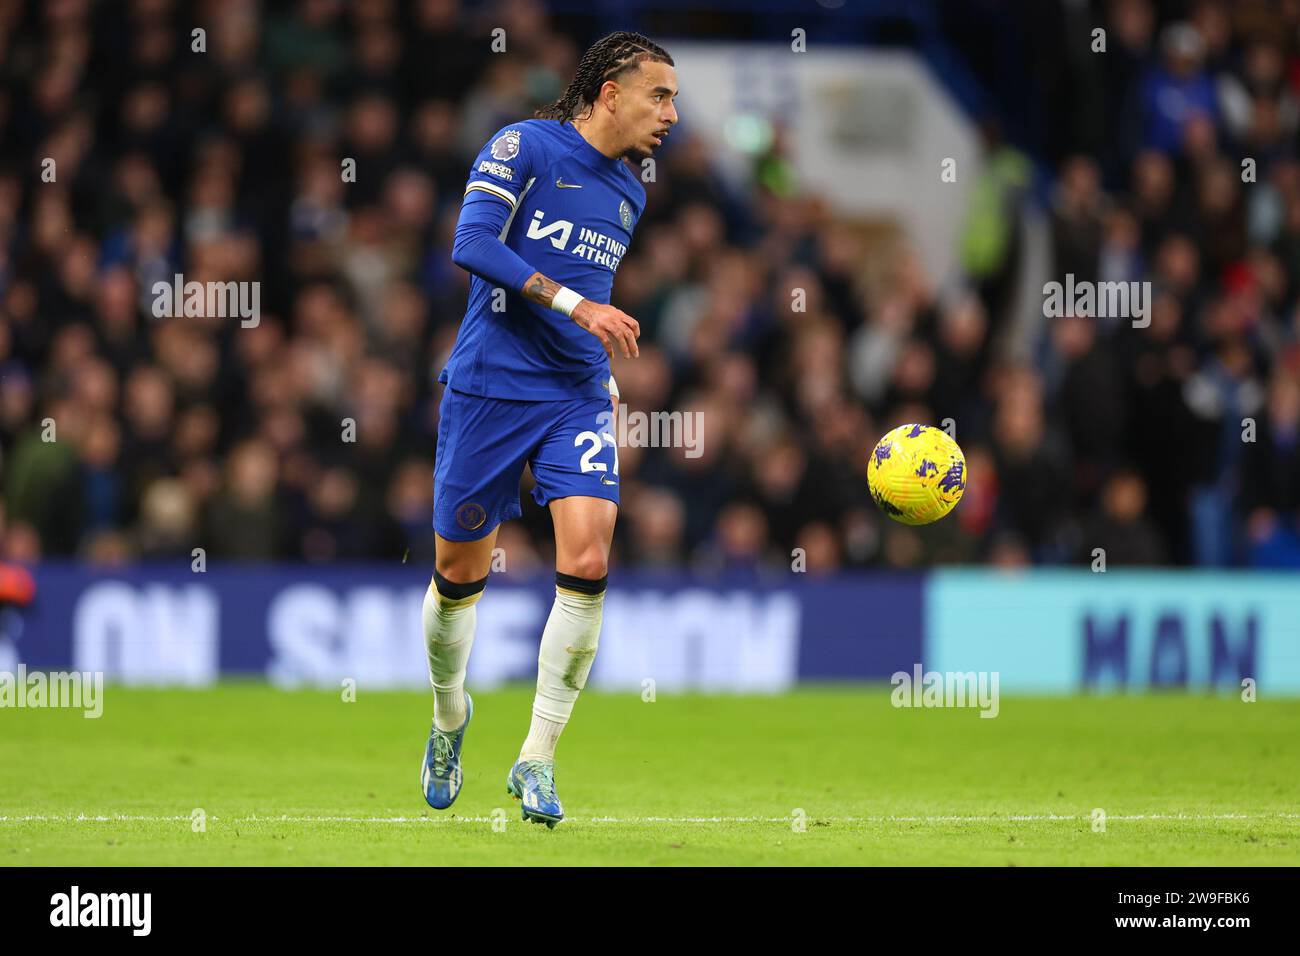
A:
[448,637]
[543,735]
[568,649]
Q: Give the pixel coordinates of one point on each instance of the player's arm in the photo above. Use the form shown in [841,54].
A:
[497,182]
[607,323]
[478,249]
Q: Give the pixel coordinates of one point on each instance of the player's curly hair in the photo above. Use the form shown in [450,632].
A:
[606,59]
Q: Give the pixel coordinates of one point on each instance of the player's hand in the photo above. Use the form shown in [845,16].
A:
[612,326]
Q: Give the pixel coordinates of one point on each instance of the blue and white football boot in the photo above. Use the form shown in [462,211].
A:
[532,783]
[440,773]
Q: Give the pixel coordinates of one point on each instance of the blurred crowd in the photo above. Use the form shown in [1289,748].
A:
[1184,436]
[310,436]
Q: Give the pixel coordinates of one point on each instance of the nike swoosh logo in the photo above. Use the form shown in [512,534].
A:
[561,184]
[607,481]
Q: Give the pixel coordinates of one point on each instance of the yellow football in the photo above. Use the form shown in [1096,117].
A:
[916,474]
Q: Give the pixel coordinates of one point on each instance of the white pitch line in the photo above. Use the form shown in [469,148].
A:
[284,818]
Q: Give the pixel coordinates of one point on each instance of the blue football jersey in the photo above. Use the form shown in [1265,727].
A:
[572,212]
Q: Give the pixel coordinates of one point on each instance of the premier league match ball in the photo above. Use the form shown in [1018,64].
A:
[916,474]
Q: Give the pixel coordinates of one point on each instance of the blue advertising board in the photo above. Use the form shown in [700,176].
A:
[1056,631]
[1041,631]
[317,626]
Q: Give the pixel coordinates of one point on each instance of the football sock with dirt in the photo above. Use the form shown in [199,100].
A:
[448,636]
[568,649]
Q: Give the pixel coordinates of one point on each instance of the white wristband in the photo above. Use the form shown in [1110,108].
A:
[565,301]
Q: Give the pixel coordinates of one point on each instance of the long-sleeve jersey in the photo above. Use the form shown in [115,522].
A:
[540,198]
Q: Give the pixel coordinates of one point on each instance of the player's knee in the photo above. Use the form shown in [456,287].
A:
[591,564]
[458,567]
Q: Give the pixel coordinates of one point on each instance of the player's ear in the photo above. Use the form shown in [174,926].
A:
[609,91]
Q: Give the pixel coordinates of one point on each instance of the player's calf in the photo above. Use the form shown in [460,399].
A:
[568,650]
[449,619]
[569,643]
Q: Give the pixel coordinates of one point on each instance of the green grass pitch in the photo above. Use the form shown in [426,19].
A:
[303,777]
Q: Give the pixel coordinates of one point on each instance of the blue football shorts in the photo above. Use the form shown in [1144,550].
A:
[484,443]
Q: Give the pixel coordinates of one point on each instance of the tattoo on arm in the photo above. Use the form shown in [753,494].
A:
[540,289]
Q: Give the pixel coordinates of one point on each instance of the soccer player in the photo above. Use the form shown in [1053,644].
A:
[548,214]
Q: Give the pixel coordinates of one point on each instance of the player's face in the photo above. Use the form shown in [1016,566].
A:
[647,112]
